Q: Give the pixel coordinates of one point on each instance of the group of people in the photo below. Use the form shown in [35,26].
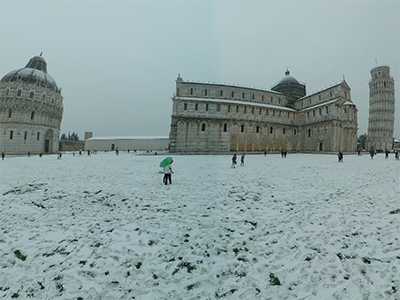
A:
[234,161]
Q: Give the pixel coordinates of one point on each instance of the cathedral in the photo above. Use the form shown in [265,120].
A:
[219,118]
[31,109]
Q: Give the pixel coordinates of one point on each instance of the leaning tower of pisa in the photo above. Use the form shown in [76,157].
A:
[381,109]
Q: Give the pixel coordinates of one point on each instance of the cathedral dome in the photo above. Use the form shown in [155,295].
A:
[290,87]
[288,79]
[35,72]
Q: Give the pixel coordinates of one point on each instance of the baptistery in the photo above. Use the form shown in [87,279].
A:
[31,110]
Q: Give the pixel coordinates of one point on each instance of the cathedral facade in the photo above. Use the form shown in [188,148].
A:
[381,110]
[31,109]
[220,118]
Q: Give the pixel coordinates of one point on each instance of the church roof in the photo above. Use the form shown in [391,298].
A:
[35,72]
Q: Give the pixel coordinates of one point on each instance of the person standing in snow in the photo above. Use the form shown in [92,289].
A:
[2,155]
[340,157]
[242,160]
[372,153]
[234,158]
[167,173]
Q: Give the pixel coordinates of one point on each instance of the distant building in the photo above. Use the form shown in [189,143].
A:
[139,143]
[220,118]
[381,110]
[31,109]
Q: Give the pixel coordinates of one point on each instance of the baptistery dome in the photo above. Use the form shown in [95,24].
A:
[31,108]
[35,72]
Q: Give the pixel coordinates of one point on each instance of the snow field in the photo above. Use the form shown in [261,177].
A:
[105,227]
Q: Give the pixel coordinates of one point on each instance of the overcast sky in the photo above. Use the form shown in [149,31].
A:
[117,61]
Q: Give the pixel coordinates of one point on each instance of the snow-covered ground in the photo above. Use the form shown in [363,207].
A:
[105,227]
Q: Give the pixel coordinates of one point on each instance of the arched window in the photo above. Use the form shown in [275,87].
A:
[221,93]
[11,134]
[225,127]
[191,91]
[229,108]
[309,132]
[31,95]
[262,98]
[242,95]
[257,129]
[252,96]
[205,92]
[294,131]
[207,107]
[9,113]
[271,130]
[32,115]
[284,130]
[19,93]
[326,109]
[233,94]
[203,127]
[185,106]
[242,128]
[38,136]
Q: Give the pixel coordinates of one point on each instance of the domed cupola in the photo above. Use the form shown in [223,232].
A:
[31,110]
[290,87]
[35,72]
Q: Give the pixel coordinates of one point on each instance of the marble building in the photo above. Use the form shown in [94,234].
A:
[381,110]
[220,118]
[31,109]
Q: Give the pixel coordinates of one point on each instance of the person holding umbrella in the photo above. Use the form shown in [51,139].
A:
[166,165]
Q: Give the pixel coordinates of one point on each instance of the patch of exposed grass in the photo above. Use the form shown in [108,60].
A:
[273,280]
[189,267]
[19,255]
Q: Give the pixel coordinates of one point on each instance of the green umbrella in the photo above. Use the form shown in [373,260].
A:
[166,162]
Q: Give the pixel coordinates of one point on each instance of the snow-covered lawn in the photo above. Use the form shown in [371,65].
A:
[105,227]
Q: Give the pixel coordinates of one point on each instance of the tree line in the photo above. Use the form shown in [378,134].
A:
[71,137]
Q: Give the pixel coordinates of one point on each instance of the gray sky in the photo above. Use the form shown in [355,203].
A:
[117,61]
